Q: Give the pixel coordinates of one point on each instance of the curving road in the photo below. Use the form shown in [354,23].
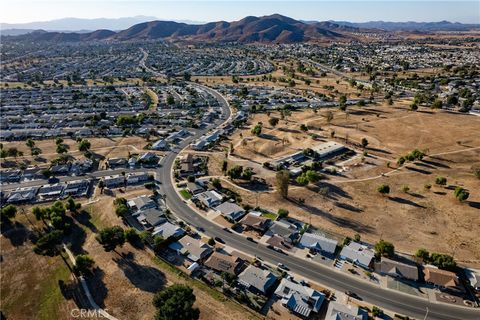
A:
[387,299]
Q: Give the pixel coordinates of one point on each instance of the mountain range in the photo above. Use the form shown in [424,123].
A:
[266,29]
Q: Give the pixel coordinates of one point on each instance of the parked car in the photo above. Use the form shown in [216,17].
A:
[353,295]
[251,239]
[218,239]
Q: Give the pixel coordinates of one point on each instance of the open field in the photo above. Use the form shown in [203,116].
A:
[433,219]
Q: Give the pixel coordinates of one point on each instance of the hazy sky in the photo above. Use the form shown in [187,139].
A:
[15,11]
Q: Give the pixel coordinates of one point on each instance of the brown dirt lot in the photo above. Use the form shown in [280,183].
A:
[432,219]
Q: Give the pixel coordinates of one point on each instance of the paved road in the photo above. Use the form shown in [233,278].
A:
[388,299]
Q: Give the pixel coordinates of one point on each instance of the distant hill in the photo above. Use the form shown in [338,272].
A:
[267,29]
[75,24]
[410,26]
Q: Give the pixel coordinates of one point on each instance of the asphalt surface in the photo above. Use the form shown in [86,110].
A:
[388,299]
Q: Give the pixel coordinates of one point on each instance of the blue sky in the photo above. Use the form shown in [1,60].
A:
[16,11]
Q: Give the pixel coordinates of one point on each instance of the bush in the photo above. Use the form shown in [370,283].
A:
[461,194]
[282,213]
[441,181]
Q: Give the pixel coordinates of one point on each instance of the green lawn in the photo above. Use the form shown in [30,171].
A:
[185,194]
[269,215]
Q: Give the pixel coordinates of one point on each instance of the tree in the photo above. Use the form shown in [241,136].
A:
[58,141]
[49,243]
[273,121]
[303,127]
[170,100]
[282,213]
[235,172]
[191,178]
[111,237]
[443,261]
[356,237]
[383,189]
[364,143]
[414,107]
[441,181]
[224,166]
[84,145]
[187,76]
[384,248]
[101,185]
[30,143]
[282,179]
[312,176]
[437,104]
[132,236]
[257,130]
[83,264]
[461,194]
[72,206]
[7,213]
[61,149]
[302,180]
[176,303]
[401,161]
[216,183]
[211,242]
[423,254]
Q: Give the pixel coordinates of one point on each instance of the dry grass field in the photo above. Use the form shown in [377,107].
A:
[433,218]
[124,282]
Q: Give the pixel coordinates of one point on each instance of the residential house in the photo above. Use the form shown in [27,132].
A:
[141,203]
[137,178]
[114,181]
[339,311]
[194,188]
[194,249]
[116,163]
[255,222]
[299,299]
[257,280]
[358,254]
[398,269]
[318,243]
[230,210]
[440,278]
[160,145]
[77,188]
[168,230]
[150,218]
[224,263]
[60,169]
[288,231]
[22,195]
[32,173]
[51,191]
[148,159]
[210,198]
